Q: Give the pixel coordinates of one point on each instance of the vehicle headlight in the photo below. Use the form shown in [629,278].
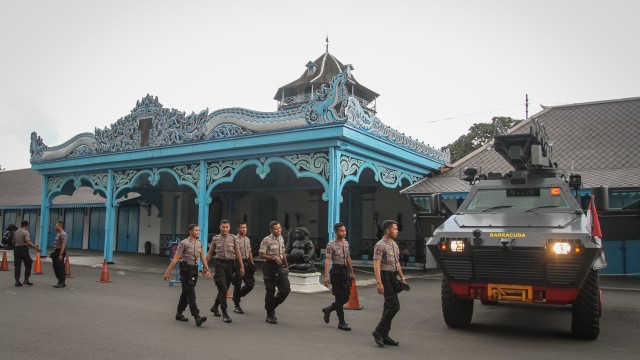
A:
[562,248]
[457,245]
[453,245]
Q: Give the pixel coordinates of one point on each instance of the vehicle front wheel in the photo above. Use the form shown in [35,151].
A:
[457,312]
[585,321]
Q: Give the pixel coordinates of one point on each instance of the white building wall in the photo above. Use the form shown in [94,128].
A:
[149,229]
[167,212]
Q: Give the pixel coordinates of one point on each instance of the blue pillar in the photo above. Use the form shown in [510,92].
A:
[109,221]
[333,192]
[203,207]
[44,217]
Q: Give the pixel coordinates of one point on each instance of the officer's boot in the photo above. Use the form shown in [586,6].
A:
[225,316]
[271,318]
[389,341]
[18,283]
[327,314]
[377,336]
[27,282]
[237,309]
[199,319]
[344,326]
[214,308]
[180,317]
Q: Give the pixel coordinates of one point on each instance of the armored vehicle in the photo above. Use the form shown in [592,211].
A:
[522,237]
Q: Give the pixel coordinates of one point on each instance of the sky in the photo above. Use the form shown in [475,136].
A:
[69,66]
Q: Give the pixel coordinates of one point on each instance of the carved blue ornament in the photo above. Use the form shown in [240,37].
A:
[150,125]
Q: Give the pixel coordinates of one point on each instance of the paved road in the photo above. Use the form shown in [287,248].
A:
[132,318]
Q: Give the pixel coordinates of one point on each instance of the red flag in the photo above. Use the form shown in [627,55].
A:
[595,222]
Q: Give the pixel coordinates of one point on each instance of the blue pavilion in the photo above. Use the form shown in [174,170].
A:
[324,156]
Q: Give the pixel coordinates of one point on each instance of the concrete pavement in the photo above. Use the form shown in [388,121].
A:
[132,318]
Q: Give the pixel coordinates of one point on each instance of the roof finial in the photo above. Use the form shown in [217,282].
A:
[327,40]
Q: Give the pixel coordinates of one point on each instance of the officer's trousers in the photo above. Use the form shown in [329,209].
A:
[340,287]
[274,277]
[21,255]
[189,279]
[391,301]
[58,265]
[249,279]
[223,278]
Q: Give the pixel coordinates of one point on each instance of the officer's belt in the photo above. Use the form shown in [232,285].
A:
[225,261]
[388,274]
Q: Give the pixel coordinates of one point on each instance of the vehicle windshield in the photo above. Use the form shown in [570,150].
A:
[523,199]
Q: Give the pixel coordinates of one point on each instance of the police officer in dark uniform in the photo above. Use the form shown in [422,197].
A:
[187,254]
[239,291]
[59,254]
[386,265]
[275,271]
[22,243]
[227,252]
[340,276]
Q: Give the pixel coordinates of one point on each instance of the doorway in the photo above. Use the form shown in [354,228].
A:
[127,229]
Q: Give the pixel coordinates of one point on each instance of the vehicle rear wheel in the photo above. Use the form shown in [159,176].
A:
[457,312]
[585,321]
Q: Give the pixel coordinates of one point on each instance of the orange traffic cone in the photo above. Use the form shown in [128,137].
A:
[37,268]
[228,294]
[104,276]
[67,267]
[354,302]
[5,263]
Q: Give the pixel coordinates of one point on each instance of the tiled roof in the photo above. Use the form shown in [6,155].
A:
[328,67]
[19,188]
[437,184]
[598,140]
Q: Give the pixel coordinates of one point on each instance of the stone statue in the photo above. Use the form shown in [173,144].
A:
[301,252]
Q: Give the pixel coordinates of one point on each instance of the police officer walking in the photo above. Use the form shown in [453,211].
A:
[340,276]
[22,243]
[187,254]
[386,265]
[59,254]
[275,271]
[239,291]
[227,252]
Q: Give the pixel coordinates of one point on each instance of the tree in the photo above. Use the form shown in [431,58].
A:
[478,135]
